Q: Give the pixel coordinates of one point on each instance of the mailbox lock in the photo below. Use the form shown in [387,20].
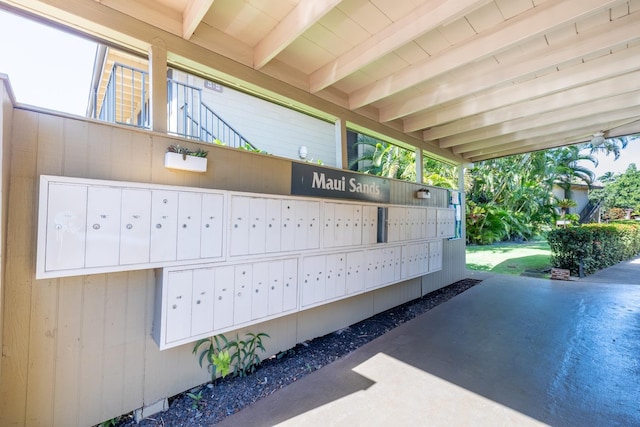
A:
[174,306]
[129,226]
[58,226]
[158,225]
[198,302]
[219,298]
[165,201]
[206,226]
[96,226]
[184,225]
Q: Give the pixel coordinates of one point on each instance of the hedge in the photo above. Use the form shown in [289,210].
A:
[597,246]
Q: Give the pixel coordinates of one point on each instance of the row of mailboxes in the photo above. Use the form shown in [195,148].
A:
[94,226]
[203,301]
[349,224]
[331,276]
[414,223]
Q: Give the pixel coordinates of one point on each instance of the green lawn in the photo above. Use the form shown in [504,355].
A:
[509,258]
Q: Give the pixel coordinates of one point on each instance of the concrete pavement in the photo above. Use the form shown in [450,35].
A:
[510,351]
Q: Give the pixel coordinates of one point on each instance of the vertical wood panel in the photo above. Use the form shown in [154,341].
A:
[67,396]
[141,157]
[76,148]
[135,339]
[91,358]
[99,146]
[123,154]
[19,264]
[42,351]
[114,321]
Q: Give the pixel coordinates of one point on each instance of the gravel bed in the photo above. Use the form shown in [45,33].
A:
[231,394]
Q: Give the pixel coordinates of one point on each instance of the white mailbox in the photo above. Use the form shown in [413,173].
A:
[135,226]
[431,232]
[178,305]
[223,297]
[290,292]
[313,280]
[275,289]
[335,286]
[435,255]
[243,286]
[288,218]
[211,239]
[355,272]
[164,225]
[103,227]
[66,224]
[260,295]
[202,301]
[274,225]
[257,225]
[189,225]
[239,223]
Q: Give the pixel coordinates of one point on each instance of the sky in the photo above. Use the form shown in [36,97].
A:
[46,67]
[52,69]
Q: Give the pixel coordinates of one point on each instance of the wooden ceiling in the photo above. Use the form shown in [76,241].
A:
[467,80]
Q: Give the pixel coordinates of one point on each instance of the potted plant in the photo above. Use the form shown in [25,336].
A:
[182,158]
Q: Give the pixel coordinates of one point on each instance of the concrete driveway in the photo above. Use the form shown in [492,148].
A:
[510,351]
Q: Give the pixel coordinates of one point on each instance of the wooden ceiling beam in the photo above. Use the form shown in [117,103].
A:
[192,16]
[301,18]
[581,95]
[532,23]
[553,141]
[565,115]
[609,66]
[598,39]
[575,129]
[420,21]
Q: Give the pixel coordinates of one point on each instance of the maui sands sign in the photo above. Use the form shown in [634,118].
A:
[310,180]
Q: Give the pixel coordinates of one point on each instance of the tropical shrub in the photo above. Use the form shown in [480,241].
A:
[593,247]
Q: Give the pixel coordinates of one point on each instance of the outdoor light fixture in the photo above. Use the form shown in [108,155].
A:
[302,152]
[598,138]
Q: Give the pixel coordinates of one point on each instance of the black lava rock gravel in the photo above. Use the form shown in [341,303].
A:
[231,394]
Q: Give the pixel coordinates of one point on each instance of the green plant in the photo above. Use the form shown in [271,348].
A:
[177,148]
[221,354]
[196,398]
[110,423]
[245,353]
[216,351]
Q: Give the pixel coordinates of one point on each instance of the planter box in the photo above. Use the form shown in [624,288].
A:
[188,163]
[420,194]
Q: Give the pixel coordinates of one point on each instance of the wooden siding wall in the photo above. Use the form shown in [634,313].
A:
[6,122]
[78,350]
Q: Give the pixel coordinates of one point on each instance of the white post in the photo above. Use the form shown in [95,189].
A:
[342,158]
[419,166]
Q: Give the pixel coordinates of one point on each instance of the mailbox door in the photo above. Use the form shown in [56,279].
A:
[189,225]
[290,291]
[242,297]
[276,287]
[178,305]
[355,272]
[223,297]
[257,225]
[274,225]
[202,301]
[211,226]
[135,226]
[66,226]
[103,227]
[164,225]
[239,235]
[259,295]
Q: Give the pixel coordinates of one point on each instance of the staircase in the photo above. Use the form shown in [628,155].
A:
[126,98]
[587,212]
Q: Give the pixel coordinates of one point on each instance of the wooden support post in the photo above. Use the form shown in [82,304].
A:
[158,84]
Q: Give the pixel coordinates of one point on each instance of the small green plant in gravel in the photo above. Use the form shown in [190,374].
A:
[244,353]
[196,398]
[222,354]
[216,351]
